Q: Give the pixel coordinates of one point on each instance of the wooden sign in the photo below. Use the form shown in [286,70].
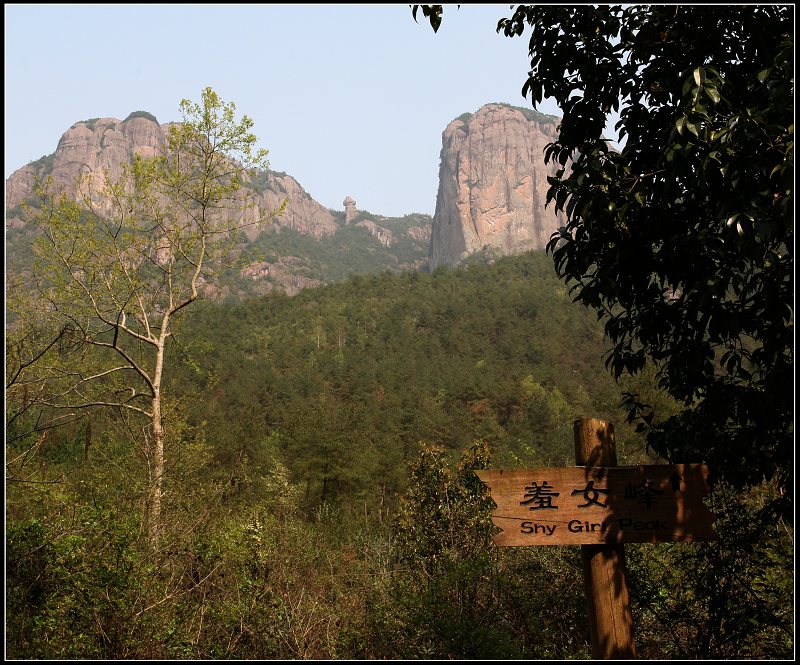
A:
[584,505]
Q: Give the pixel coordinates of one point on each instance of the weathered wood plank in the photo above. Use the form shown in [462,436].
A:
[600,505]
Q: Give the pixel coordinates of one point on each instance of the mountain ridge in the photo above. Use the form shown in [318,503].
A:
[490,201]
[101,146]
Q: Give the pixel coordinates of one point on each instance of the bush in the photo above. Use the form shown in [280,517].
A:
[141,114]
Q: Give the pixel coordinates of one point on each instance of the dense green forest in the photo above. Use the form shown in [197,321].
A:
[349,379]
[321,503]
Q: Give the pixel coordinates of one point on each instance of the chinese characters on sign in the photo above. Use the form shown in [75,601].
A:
[601,505]
[592,495]
[540,497]
[644,492]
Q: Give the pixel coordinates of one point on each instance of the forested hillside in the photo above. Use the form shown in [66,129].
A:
[346,381]
[320,500]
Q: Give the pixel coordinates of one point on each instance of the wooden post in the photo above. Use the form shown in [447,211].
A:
[610,618]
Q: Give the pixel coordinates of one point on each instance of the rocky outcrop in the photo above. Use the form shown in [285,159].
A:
[105,144]
[97,147]
[382,235]
[282,275]
[89,147]
[102,146]
[420,233]
[303,214]
[349,209]
[493,185]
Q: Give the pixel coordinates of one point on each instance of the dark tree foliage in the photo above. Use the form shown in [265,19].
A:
[682,240]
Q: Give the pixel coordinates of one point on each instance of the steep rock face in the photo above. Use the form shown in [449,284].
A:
[317,245]
[384,236]
[89,147]
[493,184]
[303,214]
[105,144]
[281,273]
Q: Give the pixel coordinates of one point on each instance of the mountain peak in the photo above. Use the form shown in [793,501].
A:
[493,184]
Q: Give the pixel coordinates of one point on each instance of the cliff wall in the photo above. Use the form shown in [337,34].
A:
[493,185]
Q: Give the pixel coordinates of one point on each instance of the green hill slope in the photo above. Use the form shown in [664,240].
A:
[342,383]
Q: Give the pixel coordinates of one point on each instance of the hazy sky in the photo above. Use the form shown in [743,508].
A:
[351,100]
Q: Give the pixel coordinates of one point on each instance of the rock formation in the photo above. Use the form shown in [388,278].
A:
[493,184]
[349,209]
[106,144]
[383,236]
[92,147]
[280,275]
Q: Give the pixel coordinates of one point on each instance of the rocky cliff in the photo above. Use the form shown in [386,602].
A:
[103,145]
[493,185]
[308,245]
[492,193]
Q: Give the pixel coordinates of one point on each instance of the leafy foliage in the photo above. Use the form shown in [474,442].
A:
[432,12]
[322,502]
[116,267]
[730,597]
[682,241]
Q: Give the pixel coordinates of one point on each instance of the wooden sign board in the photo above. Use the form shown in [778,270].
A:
[600,505]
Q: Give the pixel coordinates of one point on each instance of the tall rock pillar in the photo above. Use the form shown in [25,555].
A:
[493,184]
[349,209]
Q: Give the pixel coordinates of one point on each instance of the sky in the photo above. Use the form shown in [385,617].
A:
[350,100]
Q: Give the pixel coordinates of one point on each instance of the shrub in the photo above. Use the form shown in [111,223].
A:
[141,114]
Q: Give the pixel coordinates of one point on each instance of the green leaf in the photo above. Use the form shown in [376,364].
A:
[719,134]
[740,228]
[713,94]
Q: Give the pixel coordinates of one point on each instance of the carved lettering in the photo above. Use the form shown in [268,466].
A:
[577,526]
[533,527]
[640,525]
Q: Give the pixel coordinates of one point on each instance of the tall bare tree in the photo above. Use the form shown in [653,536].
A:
[118,265]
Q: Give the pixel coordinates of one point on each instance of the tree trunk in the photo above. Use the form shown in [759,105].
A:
[157,475]
[157,451]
